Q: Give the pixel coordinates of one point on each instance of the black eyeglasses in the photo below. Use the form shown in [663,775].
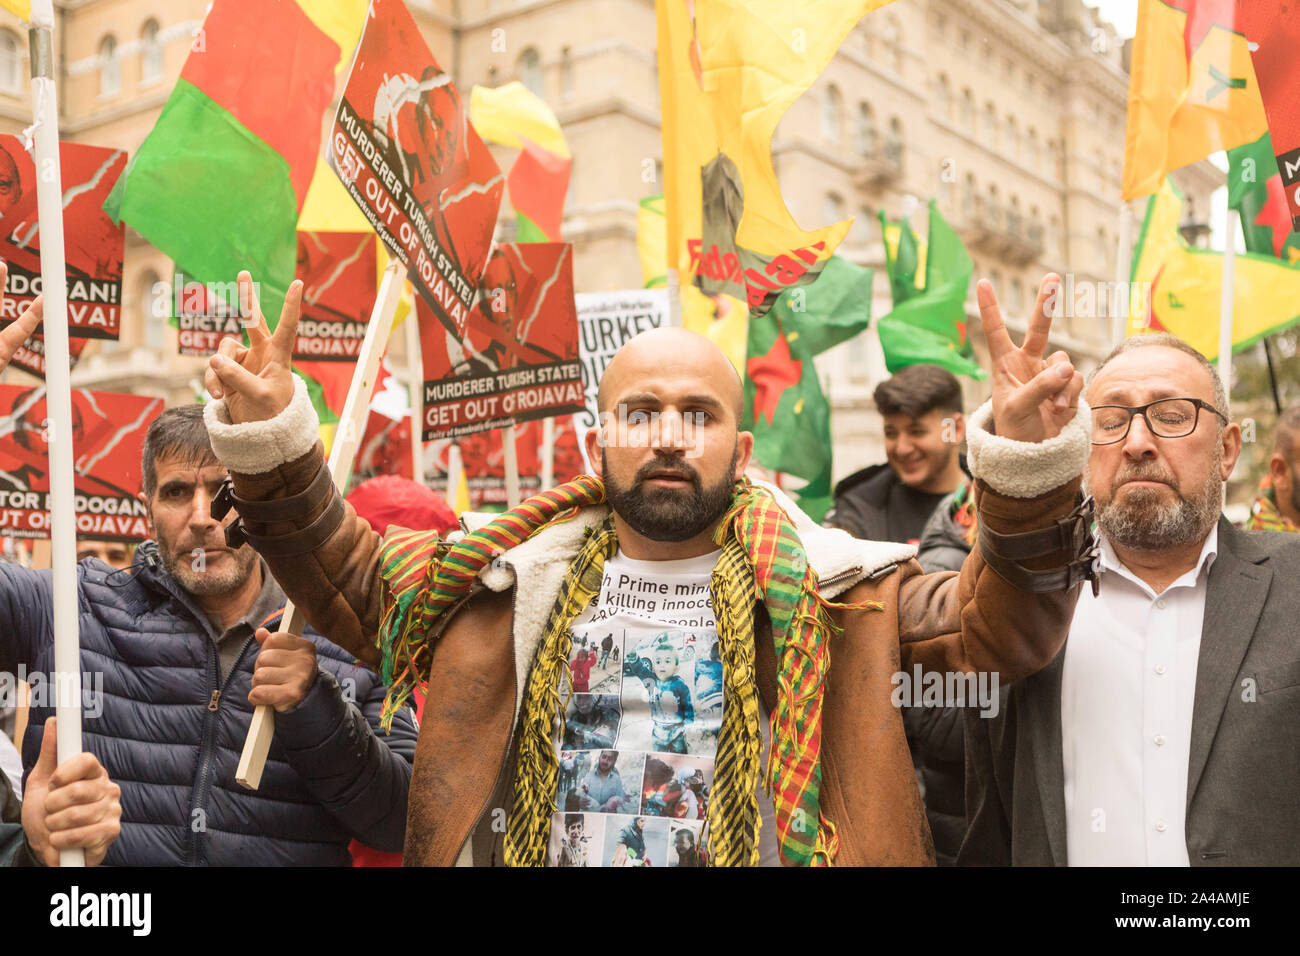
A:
[1165,418]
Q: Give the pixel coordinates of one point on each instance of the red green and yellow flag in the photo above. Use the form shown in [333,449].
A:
[220,181]
[512,115]
[1175,288]
[1192,89]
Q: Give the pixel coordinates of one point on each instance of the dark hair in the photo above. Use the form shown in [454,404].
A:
[1286,435]
[571,818]
[176,433]
[918,389]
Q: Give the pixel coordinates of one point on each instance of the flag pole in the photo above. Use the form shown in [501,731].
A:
[548,453]
[512,466]
[1123,275]
[1226,299]
[414,359]
[453,474]
[347,439]
[58,394]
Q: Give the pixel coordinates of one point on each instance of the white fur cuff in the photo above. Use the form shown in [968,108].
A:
[1021,469]
[257,447]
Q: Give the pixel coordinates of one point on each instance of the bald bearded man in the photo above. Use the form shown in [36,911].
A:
[757,651]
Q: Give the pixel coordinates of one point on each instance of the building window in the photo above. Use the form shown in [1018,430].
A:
[153,310]
[110,68]
[970,199]
[1013,139]
[895,40]
[1013,216]
[991,125]
[831,113]
[151,53]
[1035,158]
[867,135]
[529,70]
[11,62]
[992,209]
[566,74]
[894,143]
[833,210]
[968,111]
[944,92]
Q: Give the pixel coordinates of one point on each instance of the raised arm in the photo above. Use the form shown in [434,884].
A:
[264,430]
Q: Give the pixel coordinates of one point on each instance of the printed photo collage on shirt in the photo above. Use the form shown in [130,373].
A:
[637,753]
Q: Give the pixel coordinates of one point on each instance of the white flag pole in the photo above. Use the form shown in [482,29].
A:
[1122,306]
[416,385]
[1226,299]
[512,466]
[343,452]
[58,391]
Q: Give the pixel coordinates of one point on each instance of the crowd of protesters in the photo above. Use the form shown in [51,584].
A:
[1149,684]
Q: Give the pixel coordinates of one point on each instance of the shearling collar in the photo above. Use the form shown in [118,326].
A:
[536,567]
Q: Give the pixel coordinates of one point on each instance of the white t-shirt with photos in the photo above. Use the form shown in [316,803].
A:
[642,721]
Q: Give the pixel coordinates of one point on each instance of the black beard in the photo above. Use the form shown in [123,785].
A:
[663,514]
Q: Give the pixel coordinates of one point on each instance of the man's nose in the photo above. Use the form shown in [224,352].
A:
[201,510]
[670,432]
[1139,442]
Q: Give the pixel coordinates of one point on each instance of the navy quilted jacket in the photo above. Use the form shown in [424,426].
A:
[170,731]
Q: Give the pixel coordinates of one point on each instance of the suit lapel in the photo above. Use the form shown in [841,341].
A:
[1237,588]
[1043,713]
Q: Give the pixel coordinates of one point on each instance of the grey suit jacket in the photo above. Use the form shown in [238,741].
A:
[1243,773]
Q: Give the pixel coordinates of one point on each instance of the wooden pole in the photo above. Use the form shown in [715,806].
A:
[453,474]
[1226,300]
[548,454]
[58,393]
[415,362]
[1122,308]
[512,466]
[347,438]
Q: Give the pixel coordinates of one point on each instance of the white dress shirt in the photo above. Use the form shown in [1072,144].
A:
[1127,690]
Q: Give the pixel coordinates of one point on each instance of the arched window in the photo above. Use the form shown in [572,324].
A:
[1035,157]
[566,74]
[831,106]
[894,37]
[1013,216]
[943,96]
[11,62]
[992,210]
[894,143]
[867,136]
[529,70]
[833,209]
[970,198]
[991,125]
[1013,139]
[151,53]
[110,68]
[968,110]
[153,304]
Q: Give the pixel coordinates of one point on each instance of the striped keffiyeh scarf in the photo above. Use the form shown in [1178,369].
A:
[1264,515]
[762,558]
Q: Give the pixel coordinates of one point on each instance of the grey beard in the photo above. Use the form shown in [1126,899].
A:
[1145,522]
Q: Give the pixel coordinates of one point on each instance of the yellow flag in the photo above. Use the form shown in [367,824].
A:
[728,71]
[504,114]
[1176,288]
[1191,90]
[19,8]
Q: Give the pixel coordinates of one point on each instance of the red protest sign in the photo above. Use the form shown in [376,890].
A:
[30,356]
[205,315]
[339,271]
[108,431]
[484,462]
[518,359]
[404,148]
[92,244]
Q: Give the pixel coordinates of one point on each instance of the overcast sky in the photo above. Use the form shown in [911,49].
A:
[1121,13]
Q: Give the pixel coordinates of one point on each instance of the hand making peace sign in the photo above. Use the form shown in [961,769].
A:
[1033,398]
[255,380]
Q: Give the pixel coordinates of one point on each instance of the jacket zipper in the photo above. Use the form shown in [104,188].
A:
[208,745]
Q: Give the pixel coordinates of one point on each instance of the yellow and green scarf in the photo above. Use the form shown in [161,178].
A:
[762,559]
[1264,514]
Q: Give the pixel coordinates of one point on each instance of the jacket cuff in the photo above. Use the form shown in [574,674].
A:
[256,447]
[1021,469]
[315,719]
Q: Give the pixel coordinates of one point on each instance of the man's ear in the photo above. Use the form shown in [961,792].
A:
[1231,440]
[148,514]
[1278,470]
[744,452]
[591,443]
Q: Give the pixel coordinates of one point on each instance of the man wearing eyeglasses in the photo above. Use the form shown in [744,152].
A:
[1167,732]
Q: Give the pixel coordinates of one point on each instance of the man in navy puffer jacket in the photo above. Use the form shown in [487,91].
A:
[171,652]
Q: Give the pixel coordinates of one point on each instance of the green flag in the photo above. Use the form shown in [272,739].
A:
[1255,191]
[784,404]
[902,259]
[929,326]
